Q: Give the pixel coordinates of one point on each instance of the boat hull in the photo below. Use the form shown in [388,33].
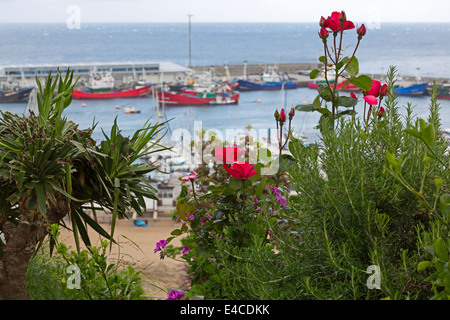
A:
[133,93]
[170,98]
[414,90]
[244,85]
[21,95]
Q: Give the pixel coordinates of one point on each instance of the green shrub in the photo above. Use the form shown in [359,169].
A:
[50,278]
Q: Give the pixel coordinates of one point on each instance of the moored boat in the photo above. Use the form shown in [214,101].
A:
[15,95]
[176,98]
[413,90]
[126,93]
[270,79]
[444,91]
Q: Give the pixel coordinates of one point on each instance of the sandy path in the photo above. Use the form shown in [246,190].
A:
[136,247]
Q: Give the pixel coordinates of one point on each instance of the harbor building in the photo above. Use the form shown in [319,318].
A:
[123,72]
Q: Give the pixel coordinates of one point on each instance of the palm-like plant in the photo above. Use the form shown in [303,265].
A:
[50,169]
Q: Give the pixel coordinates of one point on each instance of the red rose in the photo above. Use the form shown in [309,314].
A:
[375,89]
[228,154]
[241,170]
[333,22]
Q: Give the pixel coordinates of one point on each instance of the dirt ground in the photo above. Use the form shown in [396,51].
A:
[135,246]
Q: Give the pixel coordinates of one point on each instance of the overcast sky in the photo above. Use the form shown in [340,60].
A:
[222,10]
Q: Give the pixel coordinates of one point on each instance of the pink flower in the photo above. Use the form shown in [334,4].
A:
[375,89]
[175,295]
[228,154]
[186,249]
[160,245]
[241,170]
[353,95]
[191,176]
[372,100]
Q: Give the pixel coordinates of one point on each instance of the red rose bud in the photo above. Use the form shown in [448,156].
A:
[342,16]
[323,34]
[384,90]
[322,22]
[276,115]
[353,95]
[361,31]
[282,115]
[381,112]
[291,113]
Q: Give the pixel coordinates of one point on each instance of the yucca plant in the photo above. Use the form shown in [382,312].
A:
[50,169]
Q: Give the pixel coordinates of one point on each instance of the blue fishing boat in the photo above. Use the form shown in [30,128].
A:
[244,85]
[270,79]
[414,90]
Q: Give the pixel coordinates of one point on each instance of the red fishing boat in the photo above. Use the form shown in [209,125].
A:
[130,93]
[171,98]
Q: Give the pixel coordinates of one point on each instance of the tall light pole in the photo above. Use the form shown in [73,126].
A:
[190,15]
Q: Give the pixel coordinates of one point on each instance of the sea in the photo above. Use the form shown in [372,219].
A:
[414,49]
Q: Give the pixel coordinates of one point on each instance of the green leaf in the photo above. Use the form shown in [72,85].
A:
[363,82]
[353,67]
[346,102]
[316,103]
[423,265]
[41,198]
[314,73]
[429,134]
[305,107]
[235,184]
[440,249]
[444,205]
[176,232]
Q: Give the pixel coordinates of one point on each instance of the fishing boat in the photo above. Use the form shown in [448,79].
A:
[181,98]
[18,94]
[125,93]
[444,91]
[100,82]
[270,79]
[413,90]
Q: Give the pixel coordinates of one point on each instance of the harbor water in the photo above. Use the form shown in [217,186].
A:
[416,49]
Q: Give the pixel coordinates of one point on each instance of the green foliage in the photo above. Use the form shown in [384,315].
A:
[356,205]
[49,168]
[48,278]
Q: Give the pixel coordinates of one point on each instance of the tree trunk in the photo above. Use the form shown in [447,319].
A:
[20,247]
